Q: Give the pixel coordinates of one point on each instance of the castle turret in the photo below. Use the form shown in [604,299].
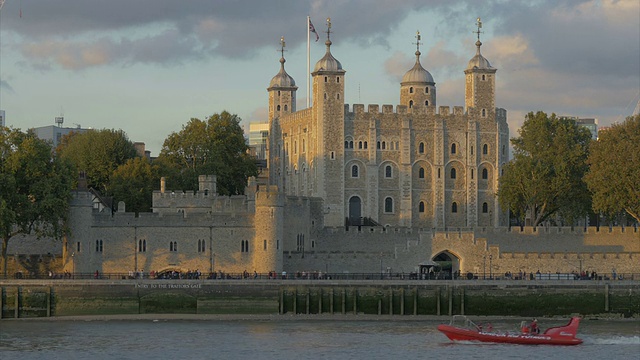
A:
[417,87]
[328,117]
[480,84]
[282,90]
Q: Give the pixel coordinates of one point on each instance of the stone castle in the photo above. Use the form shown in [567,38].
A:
[384,190]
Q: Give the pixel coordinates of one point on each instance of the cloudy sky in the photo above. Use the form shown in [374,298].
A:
[148,66]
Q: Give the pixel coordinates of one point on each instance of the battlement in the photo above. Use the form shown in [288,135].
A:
[374,109]
[298,116]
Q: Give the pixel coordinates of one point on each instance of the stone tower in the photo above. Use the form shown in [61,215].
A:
[328,115]
[268,223]
[480,84]
[282,100]
[417,87]
[282,90]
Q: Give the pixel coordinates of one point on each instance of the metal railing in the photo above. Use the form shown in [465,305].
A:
[320,276]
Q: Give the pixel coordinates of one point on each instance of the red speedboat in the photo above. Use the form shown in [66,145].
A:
[462,329]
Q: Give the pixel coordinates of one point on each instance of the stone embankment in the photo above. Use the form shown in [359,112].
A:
[61,298]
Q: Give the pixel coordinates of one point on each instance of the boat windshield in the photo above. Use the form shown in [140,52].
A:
[462,321]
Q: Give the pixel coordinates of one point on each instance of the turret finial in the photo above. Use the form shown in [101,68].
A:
[479,25]
[418,43]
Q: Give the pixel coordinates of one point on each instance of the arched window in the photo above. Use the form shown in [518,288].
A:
[410,104]
[485,208]
[485,149]
[264,244]
[411,90]
[326,79]
[388,205]
[338,96]
[354,171]
[485,174]
[453,148]
[359,144]
[278,92]
[384,145]
[421,173]
[483,78]
[484,112]
[365,144]
[426,90]
[471,174]
[421,207]
[454,207]
[278,107]
[421,148]
[426,103]
[286,108]
[337,79]
[378,145]
[170,245]
[388,173]
[453,173]
[350,144]
[346,144]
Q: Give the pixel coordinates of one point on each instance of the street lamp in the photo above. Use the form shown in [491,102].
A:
[491,267]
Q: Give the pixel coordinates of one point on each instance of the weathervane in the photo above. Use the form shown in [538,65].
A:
[282,45]
[329,28]
[479,25]
[418,38]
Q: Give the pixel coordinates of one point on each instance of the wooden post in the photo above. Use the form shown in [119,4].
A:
[415,301]
[606,297]
[450,294]
[462,301]
[401,301]
[355,301]
[282,302]
[295,301]
[379,306]
[16,311]
[331,301]
[390,301]
[320,301]
[48,302]
[438,301]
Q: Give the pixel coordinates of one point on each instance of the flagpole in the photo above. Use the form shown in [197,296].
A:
[308,57]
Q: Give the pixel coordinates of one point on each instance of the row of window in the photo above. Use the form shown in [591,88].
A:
[426,103]
[395,145]
[388,206]
[388,172]
[173,246]
[426,90]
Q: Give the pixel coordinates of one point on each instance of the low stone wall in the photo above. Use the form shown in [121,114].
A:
[33,298]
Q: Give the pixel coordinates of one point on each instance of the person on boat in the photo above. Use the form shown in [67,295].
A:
[535,330]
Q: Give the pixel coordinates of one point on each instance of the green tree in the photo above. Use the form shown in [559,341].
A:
[614,173]
[133,183]
[97,153]
[212,147]
[545,177]
[35,188]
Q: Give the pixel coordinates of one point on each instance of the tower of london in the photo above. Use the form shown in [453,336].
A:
[418,165]
[349,189]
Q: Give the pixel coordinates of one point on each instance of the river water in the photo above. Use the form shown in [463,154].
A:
[292,339]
